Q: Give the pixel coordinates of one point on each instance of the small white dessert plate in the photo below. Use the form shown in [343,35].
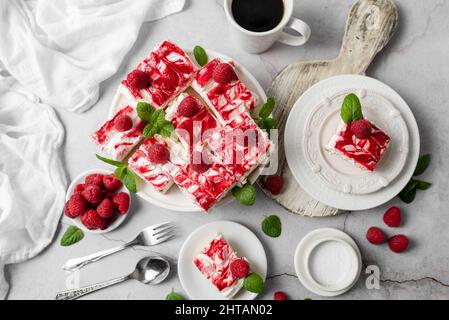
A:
[242,240]
[174,199]
[330,178]
[76,221]
[327,262]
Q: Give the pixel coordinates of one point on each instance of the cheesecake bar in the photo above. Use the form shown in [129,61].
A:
[206,181]
[114,140]
[159,175]
[364,153]
[241,146]
[191,119]
[225,100]
[159,78]
[214,263]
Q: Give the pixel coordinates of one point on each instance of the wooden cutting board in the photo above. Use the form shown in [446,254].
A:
[370,25]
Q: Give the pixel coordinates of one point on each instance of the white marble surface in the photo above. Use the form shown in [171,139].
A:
[414,63]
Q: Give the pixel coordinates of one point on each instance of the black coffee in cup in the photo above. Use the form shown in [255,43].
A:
[258,15]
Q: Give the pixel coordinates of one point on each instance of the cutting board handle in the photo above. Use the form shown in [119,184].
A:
[370,25]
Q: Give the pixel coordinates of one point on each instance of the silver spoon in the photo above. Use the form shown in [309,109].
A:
[149,270]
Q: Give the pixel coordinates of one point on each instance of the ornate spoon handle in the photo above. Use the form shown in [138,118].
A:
[76,293]
[78,263]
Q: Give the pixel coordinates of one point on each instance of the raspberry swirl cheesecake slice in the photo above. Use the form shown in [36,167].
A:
[204,179]
[161,76]
[241,146]
[358,139]
[219,86]
[219,263]
[119,135]
[191,119]
[157,161]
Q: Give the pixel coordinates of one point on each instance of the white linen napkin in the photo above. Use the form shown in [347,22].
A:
[52,53]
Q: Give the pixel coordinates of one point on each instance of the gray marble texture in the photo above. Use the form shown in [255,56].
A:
[415,63]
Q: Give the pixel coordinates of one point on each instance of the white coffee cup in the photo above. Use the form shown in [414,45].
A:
[256,42]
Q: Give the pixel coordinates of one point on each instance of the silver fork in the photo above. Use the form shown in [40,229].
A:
[149,236]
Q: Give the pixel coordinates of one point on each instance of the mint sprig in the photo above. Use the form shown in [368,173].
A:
[71,236]
[351,109]
[272,226]
[253,283]
[123,173]
[246,195]
[408,194]
[200,55]
[265,120]
[174,296]
[155,119]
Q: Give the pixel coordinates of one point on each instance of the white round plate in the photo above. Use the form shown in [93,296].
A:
[174,199]
[76,221]
[308,243]
[330,178]
[242,240]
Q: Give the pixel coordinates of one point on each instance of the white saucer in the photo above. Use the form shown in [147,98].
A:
[76,221]
[344,260]
[330,178]
[174,199]
[242,240]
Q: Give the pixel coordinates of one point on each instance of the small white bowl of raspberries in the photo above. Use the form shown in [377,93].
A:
[96,201]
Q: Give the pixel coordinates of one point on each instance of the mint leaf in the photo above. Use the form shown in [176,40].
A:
[71,236]
[120,172]
[200,55]
[272,226]
[166,129]
[144,111]
[150,130]
[253,283]
[351,109]
[267,124]
[129,180]
[409,192]
[109,161]
[423,163]
[422,185]
[267,108]
[174,296]
[246,195]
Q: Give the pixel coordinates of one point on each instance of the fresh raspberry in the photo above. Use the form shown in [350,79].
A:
[93,194]
[224,73]
[123,123]
[138,79]
[109,221]
[398,243]
[200,167]
[274,184]
[106,209]
[239,268]
[91,220]
[111,183]
[279,295]
[158,153]
[392,217]
[76,206]
[361,128]
[375,235]
[188,107]
[121,201]
[79,188]
[94,178]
